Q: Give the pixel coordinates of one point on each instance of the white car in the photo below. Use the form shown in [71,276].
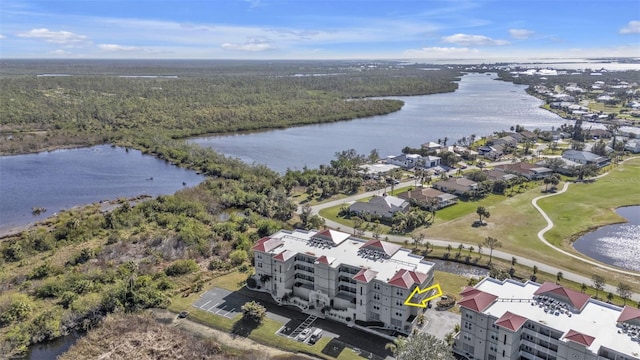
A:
[304,334]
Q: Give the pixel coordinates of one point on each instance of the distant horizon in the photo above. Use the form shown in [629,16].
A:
[485,30]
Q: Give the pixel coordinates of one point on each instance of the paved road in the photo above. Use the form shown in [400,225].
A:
[497,253]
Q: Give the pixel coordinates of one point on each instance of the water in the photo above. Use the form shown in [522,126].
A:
[480,106]
[617,244]
[63,179]
[50,350]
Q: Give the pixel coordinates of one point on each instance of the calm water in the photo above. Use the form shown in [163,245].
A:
[52,349]
[63,179]
[617,244]
[480,106]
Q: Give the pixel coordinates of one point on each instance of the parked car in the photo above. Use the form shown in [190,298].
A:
[304,334]
[183,314]
[317,334]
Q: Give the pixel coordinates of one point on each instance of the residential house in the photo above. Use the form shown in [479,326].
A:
[432,146]
[457,186]
[513,320]
[498,175]
[529,171]
[429,198]
[632,146]
[491,152]
[384,206]
[333,275]
[586,157]
[375,171]
[505,142]
[407,161]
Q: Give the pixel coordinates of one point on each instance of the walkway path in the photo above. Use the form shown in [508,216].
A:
[575,277]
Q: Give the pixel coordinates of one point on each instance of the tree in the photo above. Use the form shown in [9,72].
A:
[252,311]
[609,297]
[553,180]
[585,171]
[559,276]
[535,269]
[598,283]
[583,287]
[480,249]
[422,346]
[491,243]
[482,212]
[624,290]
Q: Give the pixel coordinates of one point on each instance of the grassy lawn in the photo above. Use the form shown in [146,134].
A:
[463,208]
[583,207]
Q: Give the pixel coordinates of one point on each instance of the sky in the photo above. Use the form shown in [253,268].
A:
[319,29]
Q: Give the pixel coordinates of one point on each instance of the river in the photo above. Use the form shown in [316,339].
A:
[481,105]
[62,179]
[617,244]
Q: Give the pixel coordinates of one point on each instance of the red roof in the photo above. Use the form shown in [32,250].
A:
[579,338]
[365,275]
[388,248]
[478,301]
[576,298]
[285,255]
[511,321]
[405,278]
[629,313]
[324,260]
[335,236]
[469,290]
[266,244]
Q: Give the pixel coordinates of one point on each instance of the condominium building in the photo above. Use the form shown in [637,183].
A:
[514,320]
[331,274]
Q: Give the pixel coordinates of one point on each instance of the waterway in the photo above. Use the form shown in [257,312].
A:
[61,179]
[481,105]
[617,244]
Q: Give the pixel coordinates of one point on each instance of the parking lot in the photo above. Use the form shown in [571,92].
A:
[220,302]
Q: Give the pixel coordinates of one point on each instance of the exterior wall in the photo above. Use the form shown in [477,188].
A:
[319,285]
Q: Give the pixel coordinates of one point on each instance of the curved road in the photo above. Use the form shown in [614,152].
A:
[497,253]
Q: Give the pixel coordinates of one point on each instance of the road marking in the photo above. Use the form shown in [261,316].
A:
[205,304]
[214,305]
[221,309]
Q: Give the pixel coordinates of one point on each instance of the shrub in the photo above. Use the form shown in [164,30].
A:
[237,257]
[182,267]
[253,312]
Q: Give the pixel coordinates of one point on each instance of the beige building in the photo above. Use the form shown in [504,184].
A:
[331,274]
[514,320]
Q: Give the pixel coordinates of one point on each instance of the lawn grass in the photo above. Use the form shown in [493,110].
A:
[463,208]
[583,207]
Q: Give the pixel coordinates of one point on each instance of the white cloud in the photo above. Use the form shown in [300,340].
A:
[633,27]
[59,52]
[56,37]
[473,40]
[436,52]
[521,34]
[116,47]
[254,3]
[2,36]
[252,45]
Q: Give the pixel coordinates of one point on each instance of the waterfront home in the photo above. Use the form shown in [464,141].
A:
[586,157]
[499,175]
[333,275]
[375,171]
[429,198]
[406,161]
[491,152]
[529,171]
[384,206]
[457,186]
[431,146]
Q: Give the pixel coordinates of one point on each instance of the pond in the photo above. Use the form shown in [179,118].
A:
[617,244]
[50,350]
[61,179]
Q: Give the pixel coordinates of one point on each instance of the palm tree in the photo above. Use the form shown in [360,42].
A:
[448,248]
[559,276]
[598,283]
[460,247]
[480,249]
[491,243]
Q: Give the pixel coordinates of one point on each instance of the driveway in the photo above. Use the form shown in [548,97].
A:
[440,323]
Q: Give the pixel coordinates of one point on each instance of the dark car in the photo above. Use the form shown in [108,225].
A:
[183,314]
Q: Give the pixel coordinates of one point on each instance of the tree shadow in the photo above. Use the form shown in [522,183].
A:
[244,327]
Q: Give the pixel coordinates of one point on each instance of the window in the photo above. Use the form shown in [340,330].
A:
[376,307]
[376,296]
[259,256]
[376,286]
[260,265]
[399,292]
[398,302]
[468,326]
[396,322]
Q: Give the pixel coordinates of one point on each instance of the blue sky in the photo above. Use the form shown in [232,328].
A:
[319,29]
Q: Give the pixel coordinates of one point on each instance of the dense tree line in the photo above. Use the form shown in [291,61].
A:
[99,104]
